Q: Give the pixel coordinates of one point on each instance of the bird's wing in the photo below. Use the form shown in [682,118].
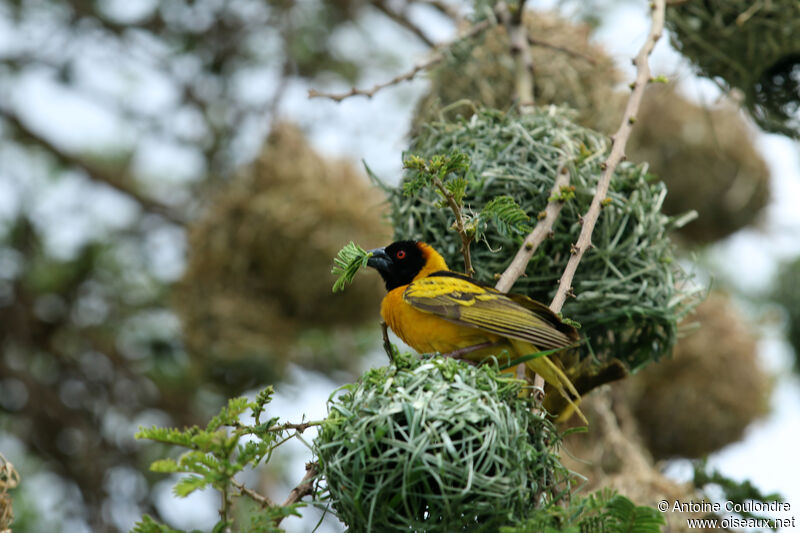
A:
[459,299]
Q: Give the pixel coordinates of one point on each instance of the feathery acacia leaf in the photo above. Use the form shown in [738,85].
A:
[347,263]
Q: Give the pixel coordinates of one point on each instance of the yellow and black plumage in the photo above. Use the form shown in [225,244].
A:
[433,309]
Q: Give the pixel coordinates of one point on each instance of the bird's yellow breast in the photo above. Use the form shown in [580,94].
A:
[425,332]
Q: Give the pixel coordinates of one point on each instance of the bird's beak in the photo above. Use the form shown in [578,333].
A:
[380,260]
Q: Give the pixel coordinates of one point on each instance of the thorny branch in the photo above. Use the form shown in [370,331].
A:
[540,232]
[466,238]
[419,67]
[303,489]
[619,141]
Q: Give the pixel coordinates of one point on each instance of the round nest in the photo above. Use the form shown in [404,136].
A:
[257,288]
[750,45]
[787,294]
[707,159]
[571,71]
[708,392]
[630,293]
[437,445]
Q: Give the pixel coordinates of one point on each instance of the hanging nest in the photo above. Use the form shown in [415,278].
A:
[707,159]
[437,445]
[787,294]
[708,392]
[482,71]
[630,293]
[752,45]
[611,455]
[257,288]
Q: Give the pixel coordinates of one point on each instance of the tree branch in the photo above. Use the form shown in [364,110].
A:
[403,20]
[260,499]
[299,427]
[617,154]
[94,171]
[419,67]
[304,488]
[574,53]
[521,52]
[542,230]
[462,232]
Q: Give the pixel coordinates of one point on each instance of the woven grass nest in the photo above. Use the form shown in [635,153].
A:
[436,445]
[707,159]
[708,392]
[483,72]
[630,293]
[752,45]
[257,288]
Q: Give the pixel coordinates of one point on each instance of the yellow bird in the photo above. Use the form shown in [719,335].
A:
[436,310]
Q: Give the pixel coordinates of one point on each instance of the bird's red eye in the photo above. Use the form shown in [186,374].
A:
[401,254]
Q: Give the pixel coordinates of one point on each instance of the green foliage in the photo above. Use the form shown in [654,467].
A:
[443,169]
[215,454]
[786,292]
[347,263]
[752,46]
[601,512]
[732,490]
[507,215]
[437,445]
[630,294]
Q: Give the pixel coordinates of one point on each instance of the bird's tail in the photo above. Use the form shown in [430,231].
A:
[552,375]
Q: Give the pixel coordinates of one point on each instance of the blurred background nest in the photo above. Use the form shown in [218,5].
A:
[707,158]
[710,390]
[569,70]
[750,45]
[256,292]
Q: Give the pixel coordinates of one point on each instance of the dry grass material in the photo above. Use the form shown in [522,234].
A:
[258,277]
[483,72]
[705,396]
[707,159]
[9,479]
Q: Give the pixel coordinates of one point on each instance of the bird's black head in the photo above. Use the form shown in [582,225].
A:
[399,263]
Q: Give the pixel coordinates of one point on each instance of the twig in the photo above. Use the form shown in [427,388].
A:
[304,488]
[402,20]
[387,344]
[262,500]
[540,232]
[419,67]
[119,182]
[619,140]
[444,8]
[574,53]
[466,239]
[301,427]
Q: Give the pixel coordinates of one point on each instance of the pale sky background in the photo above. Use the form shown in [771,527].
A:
[374,131]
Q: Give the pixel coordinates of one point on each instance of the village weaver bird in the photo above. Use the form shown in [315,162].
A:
[433,309]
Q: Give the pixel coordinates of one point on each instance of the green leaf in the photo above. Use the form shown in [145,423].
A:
[148,525]
[347,263]
[188,485]
[507,215]
[165,466]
